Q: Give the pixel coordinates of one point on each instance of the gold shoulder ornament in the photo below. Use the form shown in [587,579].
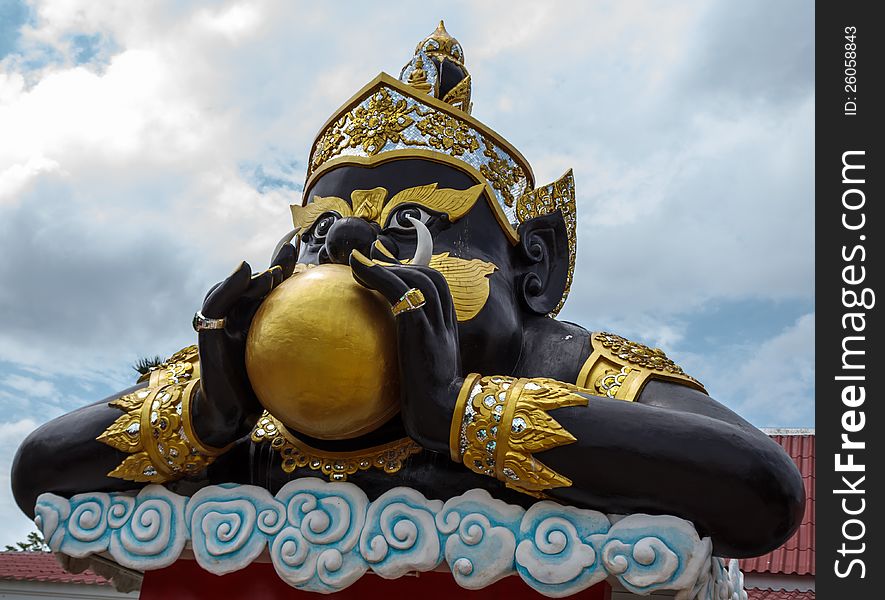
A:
[389,457]
[155,429]
[619,368]
[501,422]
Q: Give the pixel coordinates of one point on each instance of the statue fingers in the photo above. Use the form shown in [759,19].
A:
[406,288]
[373,276]
[444,294]
[261,284]
[437,300]
[285,259]
[224,296]
[381,253]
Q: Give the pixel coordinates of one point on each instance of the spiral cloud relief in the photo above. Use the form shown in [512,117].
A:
[323,536]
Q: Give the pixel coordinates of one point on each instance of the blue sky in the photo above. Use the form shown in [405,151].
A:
[147,148]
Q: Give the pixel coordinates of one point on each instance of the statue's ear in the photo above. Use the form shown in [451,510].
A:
[544,254]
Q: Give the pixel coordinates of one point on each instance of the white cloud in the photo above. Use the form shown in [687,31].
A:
[776,381]
[30,386]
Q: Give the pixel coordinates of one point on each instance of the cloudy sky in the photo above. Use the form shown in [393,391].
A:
[147,148]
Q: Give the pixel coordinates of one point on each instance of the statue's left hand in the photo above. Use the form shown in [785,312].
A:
[427,340]
[227,407]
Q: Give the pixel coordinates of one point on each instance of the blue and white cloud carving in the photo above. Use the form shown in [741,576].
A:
[322,537]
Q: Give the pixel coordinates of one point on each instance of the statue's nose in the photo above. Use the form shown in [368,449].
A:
[347,235]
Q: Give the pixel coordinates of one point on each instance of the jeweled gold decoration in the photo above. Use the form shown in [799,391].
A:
[559,195]
[413,299]
[610,382]
[619,369]
[391,116]
[155,429]
[502,174]
[448,134]
[468,282]
[321,354]
[459,96]
[295,454]
[501,422]
[382,120]
[442,46]
[391,119]
[330,142]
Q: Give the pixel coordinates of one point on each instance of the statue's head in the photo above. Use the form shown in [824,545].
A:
[403,172]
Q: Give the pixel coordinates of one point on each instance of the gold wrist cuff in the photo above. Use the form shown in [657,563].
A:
[156,429]
[502,422]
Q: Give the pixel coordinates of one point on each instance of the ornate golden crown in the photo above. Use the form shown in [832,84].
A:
[391,118]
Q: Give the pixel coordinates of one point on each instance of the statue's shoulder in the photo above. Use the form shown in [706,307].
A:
[619,368]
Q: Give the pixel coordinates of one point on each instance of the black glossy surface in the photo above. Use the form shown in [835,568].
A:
[674,451]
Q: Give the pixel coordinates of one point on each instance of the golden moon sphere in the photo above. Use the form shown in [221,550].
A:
[321,355]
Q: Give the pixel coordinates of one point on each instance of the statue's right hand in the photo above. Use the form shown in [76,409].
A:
[224,382]
[237,298]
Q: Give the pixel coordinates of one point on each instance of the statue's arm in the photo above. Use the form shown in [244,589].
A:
[672,451]
[145,434]
[63,456]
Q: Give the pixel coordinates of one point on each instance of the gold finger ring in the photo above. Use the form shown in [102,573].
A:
[413,299]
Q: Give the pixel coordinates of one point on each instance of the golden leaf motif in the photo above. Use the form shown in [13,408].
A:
[131,401]
[373,205]
[155,430]
[459,96]
[368,203]
[535,476]
[304,216]
[504,422]
[468,282]
[542,431]
[122,434]
[138,467]
[454,203]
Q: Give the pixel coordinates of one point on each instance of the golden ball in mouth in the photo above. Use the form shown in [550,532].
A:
[321,355]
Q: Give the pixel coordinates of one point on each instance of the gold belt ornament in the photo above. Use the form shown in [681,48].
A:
[389,458]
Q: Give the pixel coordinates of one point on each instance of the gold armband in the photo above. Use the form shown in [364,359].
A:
[619,368]
[156,429]
[500,422]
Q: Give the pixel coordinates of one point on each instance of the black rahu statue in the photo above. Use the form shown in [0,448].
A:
[407,336]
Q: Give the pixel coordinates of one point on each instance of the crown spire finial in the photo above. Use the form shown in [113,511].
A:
[441,45]
[437,68]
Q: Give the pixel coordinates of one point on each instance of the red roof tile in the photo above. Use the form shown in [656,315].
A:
[796,555]
[766,594]
[42,566]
